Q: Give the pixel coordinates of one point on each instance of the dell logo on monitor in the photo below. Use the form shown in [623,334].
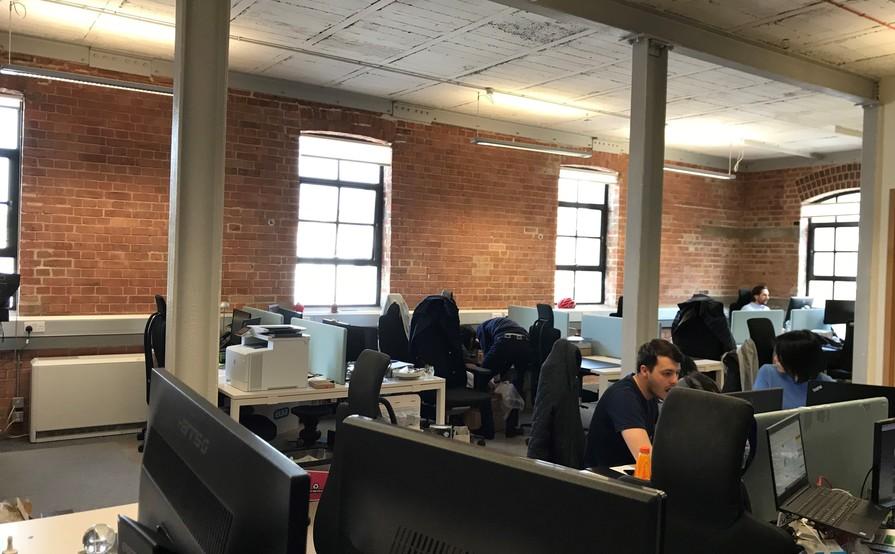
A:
[193,435]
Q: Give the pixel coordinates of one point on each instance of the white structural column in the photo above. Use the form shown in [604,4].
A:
[869,227]
[197,192]
[643,230]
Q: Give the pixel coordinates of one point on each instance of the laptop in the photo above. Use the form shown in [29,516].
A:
[794,494]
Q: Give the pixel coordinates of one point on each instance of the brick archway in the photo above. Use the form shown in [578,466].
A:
[832,179]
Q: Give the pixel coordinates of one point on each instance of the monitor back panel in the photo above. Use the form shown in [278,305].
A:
[809,320]
[267,318]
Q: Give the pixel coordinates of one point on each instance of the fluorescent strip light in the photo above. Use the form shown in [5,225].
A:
[533,105]
[777,148]
[700,172]
[531,147]
[90,80]
[848,131]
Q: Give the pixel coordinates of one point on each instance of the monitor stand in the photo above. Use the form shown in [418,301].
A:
[140,539]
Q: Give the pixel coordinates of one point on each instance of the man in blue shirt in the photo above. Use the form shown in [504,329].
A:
[797,359]
[626,414]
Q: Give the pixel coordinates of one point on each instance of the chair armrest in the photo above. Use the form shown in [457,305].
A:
[388,408]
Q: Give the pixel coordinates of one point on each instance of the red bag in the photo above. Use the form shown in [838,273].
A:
[566,303]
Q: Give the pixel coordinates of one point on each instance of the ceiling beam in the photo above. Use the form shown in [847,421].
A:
[698,42]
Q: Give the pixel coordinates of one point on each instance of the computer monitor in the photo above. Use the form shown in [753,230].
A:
[9,284]
[360,338]
[240,321]
[420,488]
[797,303]
[288,315]
[825,392]
[762,400]
[839,311]
[882,491]
[211,485]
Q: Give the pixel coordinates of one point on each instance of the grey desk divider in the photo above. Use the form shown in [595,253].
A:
[838,442]
[327,349]
[808,319]
[740,328]
[267,318]
[604,334]
[525,316]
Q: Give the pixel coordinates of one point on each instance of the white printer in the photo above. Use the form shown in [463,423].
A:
[270,357]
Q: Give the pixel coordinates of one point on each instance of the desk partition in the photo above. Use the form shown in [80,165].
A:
[266,317]
[809,319]
[525,316]
[740,329]
[604,334]
[327,349]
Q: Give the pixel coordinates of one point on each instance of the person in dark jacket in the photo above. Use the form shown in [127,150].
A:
[556,432]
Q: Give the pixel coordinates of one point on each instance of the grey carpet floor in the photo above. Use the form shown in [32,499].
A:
[94,473]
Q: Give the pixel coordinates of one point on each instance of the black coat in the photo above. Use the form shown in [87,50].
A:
[556,432]
[700,328]
[435,339]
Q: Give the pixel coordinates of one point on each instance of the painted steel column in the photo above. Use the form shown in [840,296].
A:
[195,229]
[643,230]
[869,225]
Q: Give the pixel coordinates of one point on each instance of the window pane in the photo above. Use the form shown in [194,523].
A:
[591,193]
[590,222]
[315,284]
[565,221]
[847,239]
[4,226]
[824,219]
[851,197]
[568,190]
[356,285]
[823,238]
[310,145]
[316,240]
[564,285]
[7,265]
[318,168]
[9,128]
[848,219]
[565,251]
[355,242]
[847,264]
[357,205]
[317,202]
[4,179]
[821,291]
[587,252]
[823,264]
[588,287]
[844,290]
[358,172]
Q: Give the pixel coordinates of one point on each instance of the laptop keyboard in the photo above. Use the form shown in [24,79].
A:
[825,506]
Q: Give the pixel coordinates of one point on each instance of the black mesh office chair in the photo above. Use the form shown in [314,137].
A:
[619,308]
[744,296]
[761,331]
[542,335]
[153,349]
[365,388]
[698,462]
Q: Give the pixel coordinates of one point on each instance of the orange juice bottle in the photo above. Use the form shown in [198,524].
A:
[643,469]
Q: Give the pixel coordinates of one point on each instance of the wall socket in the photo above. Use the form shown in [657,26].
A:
[18,402]
[18,417]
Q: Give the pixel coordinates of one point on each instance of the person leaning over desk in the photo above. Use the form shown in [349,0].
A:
[798,358]
[760,296]
[626,414]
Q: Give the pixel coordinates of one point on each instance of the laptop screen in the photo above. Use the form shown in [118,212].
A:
[787,456]
[883,491]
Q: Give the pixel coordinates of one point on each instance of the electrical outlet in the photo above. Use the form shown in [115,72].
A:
[18,417]
[37,326]
[18,402]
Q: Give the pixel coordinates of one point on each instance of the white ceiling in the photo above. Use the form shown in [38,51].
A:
[444,53]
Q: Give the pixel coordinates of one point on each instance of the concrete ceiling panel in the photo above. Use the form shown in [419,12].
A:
[290,22]
[306,69]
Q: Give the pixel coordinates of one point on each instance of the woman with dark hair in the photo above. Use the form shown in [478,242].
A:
[797,360]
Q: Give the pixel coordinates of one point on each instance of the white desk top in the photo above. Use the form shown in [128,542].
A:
[389,386]
[60,534]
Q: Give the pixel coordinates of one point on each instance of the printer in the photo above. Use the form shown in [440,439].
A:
[270,357]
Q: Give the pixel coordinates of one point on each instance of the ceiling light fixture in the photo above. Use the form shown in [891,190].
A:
[700,172]
[533,105]
[531,147]
[777,148]
[90,80]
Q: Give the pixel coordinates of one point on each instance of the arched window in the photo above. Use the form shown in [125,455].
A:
[339,249]
[832,247]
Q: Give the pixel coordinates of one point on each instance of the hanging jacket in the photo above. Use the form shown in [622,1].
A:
[435,339]
[747,356]
[556,432]
[700,328]
[402,306]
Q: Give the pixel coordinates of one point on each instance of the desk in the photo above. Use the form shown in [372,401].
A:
[63,534]
[239,398]
[606,376]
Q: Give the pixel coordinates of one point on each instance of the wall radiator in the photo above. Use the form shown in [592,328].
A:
[87,396]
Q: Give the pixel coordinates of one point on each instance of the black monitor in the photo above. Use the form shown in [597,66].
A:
[826,392]
[882,491]
[839,311]
[422,489]
[762,400]
[9,284]
[288,315]
[359,338]
[208,484]
[240,321]
[797,303]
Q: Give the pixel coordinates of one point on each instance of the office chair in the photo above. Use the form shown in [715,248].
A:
[761,331]
[619,308]
[557,435]
[364,389]
[392,336]
[698,461]
[744,296]
[542,335]
[153,349]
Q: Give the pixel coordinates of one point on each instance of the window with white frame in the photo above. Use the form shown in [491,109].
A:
[581,221]
[832,247]
[339,252]
[10,160]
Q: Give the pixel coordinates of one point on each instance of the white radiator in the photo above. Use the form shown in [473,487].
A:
[87,396]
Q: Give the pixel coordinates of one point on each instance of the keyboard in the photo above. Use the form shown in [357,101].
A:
[822,505]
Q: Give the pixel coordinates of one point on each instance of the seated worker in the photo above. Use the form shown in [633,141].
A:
[760,296]
[797,360]
[626,414]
